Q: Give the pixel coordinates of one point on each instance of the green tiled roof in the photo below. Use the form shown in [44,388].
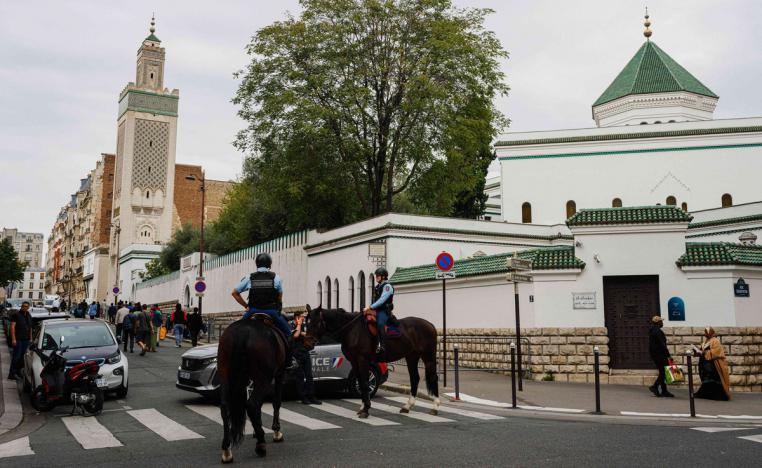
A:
[629,215]
[152,37]
[651,70]
[720,253]
[546,258]
[725,221]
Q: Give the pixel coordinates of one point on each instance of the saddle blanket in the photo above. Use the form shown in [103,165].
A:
[392,331]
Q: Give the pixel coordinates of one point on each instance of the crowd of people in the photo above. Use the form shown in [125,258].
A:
[137,324]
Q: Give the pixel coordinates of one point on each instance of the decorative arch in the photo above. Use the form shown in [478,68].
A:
[616,203]
[361,289]
[351,283]
[336,289]
[727,200]
[671,200]
[328,292]
[320,293]
[526,212]
[571,208]
[684,206]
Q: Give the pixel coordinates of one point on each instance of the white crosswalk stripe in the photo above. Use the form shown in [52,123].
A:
[413,414]
[165,427]
[213,413]
[720,429]
[299,419]
[350,414]
[450,409]
[16,448]
[90,433]
[753,438]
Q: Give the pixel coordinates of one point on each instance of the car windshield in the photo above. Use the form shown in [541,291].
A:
[77,336]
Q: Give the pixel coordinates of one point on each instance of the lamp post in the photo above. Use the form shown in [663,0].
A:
[117,231]
[201,240]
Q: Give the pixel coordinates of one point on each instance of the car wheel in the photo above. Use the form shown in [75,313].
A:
[121,392]
[374,379]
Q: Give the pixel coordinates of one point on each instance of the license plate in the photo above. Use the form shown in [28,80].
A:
[184,375]
[101,383]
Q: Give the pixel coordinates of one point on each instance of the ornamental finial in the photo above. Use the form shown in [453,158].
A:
[647,24]
[153,24]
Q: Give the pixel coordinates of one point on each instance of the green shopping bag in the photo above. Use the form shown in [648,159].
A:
[673,375]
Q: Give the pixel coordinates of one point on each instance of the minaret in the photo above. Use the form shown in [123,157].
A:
[145,163]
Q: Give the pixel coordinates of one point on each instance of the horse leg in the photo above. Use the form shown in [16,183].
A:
[412,370]
[277,398]
[362,378]
[432,381]
[227,453]
[254,410]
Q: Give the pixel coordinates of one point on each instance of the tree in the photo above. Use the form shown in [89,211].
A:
[355,102]
[11,269]
[154,269]
[184,241]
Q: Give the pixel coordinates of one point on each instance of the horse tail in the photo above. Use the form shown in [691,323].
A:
[235,382]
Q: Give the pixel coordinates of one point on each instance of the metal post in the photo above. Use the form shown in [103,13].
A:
[444,332]
[690,384]
[513,374]
[518,331]
[596,369]
[201,240]
[209,331]
[457,377]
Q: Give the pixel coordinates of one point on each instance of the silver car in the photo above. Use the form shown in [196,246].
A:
[330,370]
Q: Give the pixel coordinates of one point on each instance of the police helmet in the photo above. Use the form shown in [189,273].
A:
[264,260]
[381,271]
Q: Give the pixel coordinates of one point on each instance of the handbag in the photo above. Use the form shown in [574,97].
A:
[673,375]
[162,333]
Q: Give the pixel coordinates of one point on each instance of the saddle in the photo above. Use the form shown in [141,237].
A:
[392,325]
[268,321]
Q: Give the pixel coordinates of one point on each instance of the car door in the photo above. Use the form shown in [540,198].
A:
[30,357]
[328,362]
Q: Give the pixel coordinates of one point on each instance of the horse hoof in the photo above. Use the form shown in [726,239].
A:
[404,410]
[363,415]
[261,450]
[227,456]
[434,412]
[278,437]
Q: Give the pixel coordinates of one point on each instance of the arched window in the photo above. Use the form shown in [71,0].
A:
[616,203]
[526,212]
[684,206]
[351,294]
[148,194]
[571,208]
[727,200]
[671,200]
[327,292]
[371,283]
[336,288]
[320,293]
[361,289]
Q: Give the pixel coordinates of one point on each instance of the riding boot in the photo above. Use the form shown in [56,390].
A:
[381,348]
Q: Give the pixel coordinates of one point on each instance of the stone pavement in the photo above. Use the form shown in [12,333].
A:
[11,412]
[620,400]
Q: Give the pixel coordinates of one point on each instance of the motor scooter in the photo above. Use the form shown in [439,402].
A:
[81,384]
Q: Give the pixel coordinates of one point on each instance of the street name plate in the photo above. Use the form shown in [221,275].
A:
[518,278]
[444,275]
[519,264]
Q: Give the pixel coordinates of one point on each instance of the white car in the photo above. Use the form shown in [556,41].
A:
[86,340]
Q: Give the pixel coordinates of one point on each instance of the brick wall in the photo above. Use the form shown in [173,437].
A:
[187,202]
[107,198]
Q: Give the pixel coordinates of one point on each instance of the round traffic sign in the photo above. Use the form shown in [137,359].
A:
[444,261]
[115,290]
[200,286]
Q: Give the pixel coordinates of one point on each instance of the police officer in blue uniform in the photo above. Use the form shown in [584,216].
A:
[383,297]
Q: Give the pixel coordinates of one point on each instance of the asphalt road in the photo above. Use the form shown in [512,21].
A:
[138,426]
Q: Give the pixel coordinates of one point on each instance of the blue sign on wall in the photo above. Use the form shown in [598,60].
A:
[676,308]
[741,288]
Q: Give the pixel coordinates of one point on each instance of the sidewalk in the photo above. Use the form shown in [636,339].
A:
[625,400]
[11,412]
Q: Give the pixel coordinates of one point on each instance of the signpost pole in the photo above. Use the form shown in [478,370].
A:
[444,332]
[518,333]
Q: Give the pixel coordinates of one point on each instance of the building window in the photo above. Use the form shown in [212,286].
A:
[571,208]
[526,213]
[351,294]
[31,275]
[39,295]
[320,293]
[684,206]
[727,200]
[31,294]
[671,200]
[616,203]
[327,292]
[336,288]
[371,283]
[31,285]
[361,289]
[148,194]
[42,275]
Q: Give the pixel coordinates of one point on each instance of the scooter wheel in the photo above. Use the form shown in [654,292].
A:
[40,401]
[95,406]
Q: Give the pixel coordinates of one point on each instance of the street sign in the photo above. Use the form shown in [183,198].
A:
[741,288]
[518,278]
[444,261]
[200,286]
[518,263]
[115,290]
[444,275]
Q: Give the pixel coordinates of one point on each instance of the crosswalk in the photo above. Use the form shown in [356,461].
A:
[721,429]
[191,422]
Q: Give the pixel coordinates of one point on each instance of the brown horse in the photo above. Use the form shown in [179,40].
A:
[250,357]
[418,341]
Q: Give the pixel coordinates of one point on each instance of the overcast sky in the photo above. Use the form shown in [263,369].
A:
[63,64]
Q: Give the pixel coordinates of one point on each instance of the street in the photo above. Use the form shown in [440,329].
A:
[158,425]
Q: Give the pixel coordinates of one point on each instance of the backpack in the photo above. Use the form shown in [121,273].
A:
[127,323]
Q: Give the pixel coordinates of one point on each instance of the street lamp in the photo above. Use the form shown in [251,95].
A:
[201,240]
[117,231]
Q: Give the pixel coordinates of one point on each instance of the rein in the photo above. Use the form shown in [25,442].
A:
[335,334]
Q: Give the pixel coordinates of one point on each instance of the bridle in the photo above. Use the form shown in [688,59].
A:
[336,334]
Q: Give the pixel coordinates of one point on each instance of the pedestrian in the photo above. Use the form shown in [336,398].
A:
[155,314]
[62,306]
[21,335]
[179,318]
[121,313]
[713,368]
[82,309]
[657,348]
[112,313]
[194,325]
[301,352]
[129,324]
[92,311]
[144,327]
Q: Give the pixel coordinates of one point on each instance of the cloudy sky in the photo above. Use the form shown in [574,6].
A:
[63,64]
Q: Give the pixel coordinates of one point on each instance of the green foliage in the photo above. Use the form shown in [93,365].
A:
[154,269]
[11,269]
[184,241]
[359,107]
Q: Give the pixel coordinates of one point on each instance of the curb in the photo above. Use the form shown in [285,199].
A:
[405,390]
[13,412]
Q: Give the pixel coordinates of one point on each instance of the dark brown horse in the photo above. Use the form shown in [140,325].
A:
[418,341]
[250,355]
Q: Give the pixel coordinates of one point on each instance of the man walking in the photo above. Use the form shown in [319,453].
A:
[156,320]
[144,327]
[305,383]
[657,348]
[21,336]
[121,313]
[179,319]
[129,325]
[112,313]
[92,311]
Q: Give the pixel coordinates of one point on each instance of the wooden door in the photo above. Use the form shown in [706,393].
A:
[629,303]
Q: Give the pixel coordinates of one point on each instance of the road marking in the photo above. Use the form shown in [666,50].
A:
[299,419]
[449,409]
[90,433]
[721,429]
[349,414]
[754,438]
[168,429]
[213,413]
[740,416]
[499,404]
[413,414]
[16,448]
[671,415]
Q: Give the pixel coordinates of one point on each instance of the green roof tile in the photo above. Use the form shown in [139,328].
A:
[545,258]
[726,221]
[651,70]
[152,37]
[629,215]
[720,253]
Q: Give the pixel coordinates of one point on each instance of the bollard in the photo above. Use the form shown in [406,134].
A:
[513,374]
[457,377]
[209,331]
[596,369]
[690,384]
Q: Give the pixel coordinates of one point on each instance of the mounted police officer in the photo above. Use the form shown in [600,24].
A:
[265,297]
[383,304]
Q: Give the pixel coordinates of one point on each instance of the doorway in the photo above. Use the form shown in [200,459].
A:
[629,302]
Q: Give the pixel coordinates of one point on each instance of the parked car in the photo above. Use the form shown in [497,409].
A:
[330,369]
[86,340]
